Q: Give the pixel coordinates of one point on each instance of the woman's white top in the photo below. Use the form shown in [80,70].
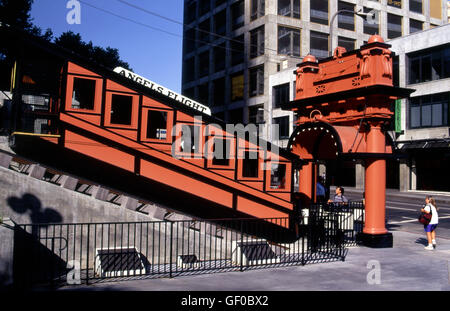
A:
[434,215]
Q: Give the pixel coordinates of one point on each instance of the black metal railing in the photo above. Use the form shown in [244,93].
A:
[348,219]
[60,254]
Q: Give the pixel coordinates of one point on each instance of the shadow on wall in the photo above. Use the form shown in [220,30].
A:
[31,205]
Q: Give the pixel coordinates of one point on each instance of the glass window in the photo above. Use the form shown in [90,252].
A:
[156,124]
[237,14]
[395,3]
[219,92]
[237,50]
[319,11]
[256,76]
[221,152]
[429,110]
[290,8]
[346,20]
[280,95]
[203,32]
[250,164]
[371,27]
[220,23]
[204,6]
[190,12]
[278,176]
[219,57]
[288,41]
[394,26]
[415,6]
[415,26]
[83,95]
[319,44]
[427,65]
[237,87]
[257,42]
[258,8]
[347,43]
[283,128]
[203,64]
[121,108]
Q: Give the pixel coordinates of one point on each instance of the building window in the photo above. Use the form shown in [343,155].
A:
[83,95]
[283,128]
[256,114]
[220,23]
[203,33]
[288,41]
[257,42]
[219,57]
[190,12]
[219,2]
[156,124]
[433,64]
[256,85]
[429,111]
[280,95]
[250,164]
[346,20]
[203,64]
[278,176]
[204,6]
[347,43]
[415,26]
[289,8]
[189,69]
[203,93]
[319,11]
[237,87]
[237,50]
[319,44]
[371,28]
[189,40]
[237,14]
[190,139]
[415,6]
[236,116]
[221,152]
[121,109]
[394,26]
[219,92]
[258,9]
[395,3]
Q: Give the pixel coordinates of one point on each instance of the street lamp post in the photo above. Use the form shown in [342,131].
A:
[363,15]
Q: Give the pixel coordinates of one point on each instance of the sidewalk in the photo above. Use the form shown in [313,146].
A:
[405,267]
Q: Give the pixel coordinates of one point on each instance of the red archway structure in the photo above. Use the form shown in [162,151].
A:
[343,104]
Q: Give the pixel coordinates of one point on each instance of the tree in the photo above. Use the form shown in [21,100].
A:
[108,57]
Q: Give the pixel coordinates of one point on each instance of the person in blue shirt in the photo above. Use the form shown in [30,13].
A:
[320,190]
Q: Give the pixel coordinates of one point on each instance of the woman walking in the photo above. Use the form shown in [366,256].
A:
[430,229]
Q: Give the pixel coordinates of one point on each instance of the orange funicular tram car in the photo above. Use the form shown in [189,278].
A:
[123,130]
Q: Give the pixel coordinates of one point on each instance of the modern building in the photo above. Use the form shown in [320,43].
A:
[422,134]
[233,47]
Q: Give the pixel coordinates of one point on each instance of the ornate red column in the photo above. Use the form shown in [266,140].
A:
[375,233]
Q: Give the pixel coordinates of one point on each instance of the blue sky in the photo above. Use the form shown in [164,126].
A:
[152,54]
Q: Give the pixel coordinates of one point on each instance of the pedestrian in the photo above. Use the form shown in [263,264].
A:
[430,229]
[320,191]
[339,196]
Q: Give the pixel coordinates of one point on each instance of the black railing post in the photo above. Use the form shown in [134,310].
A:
[242,246]
[170,251]
[87,253]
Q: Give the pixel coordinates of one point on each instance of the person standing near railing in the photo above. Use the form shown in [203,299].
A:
[430,229]
[339,197]
[320,191]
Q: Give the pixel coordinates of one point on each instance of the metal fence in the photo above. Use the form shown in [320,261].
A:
[61,254]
